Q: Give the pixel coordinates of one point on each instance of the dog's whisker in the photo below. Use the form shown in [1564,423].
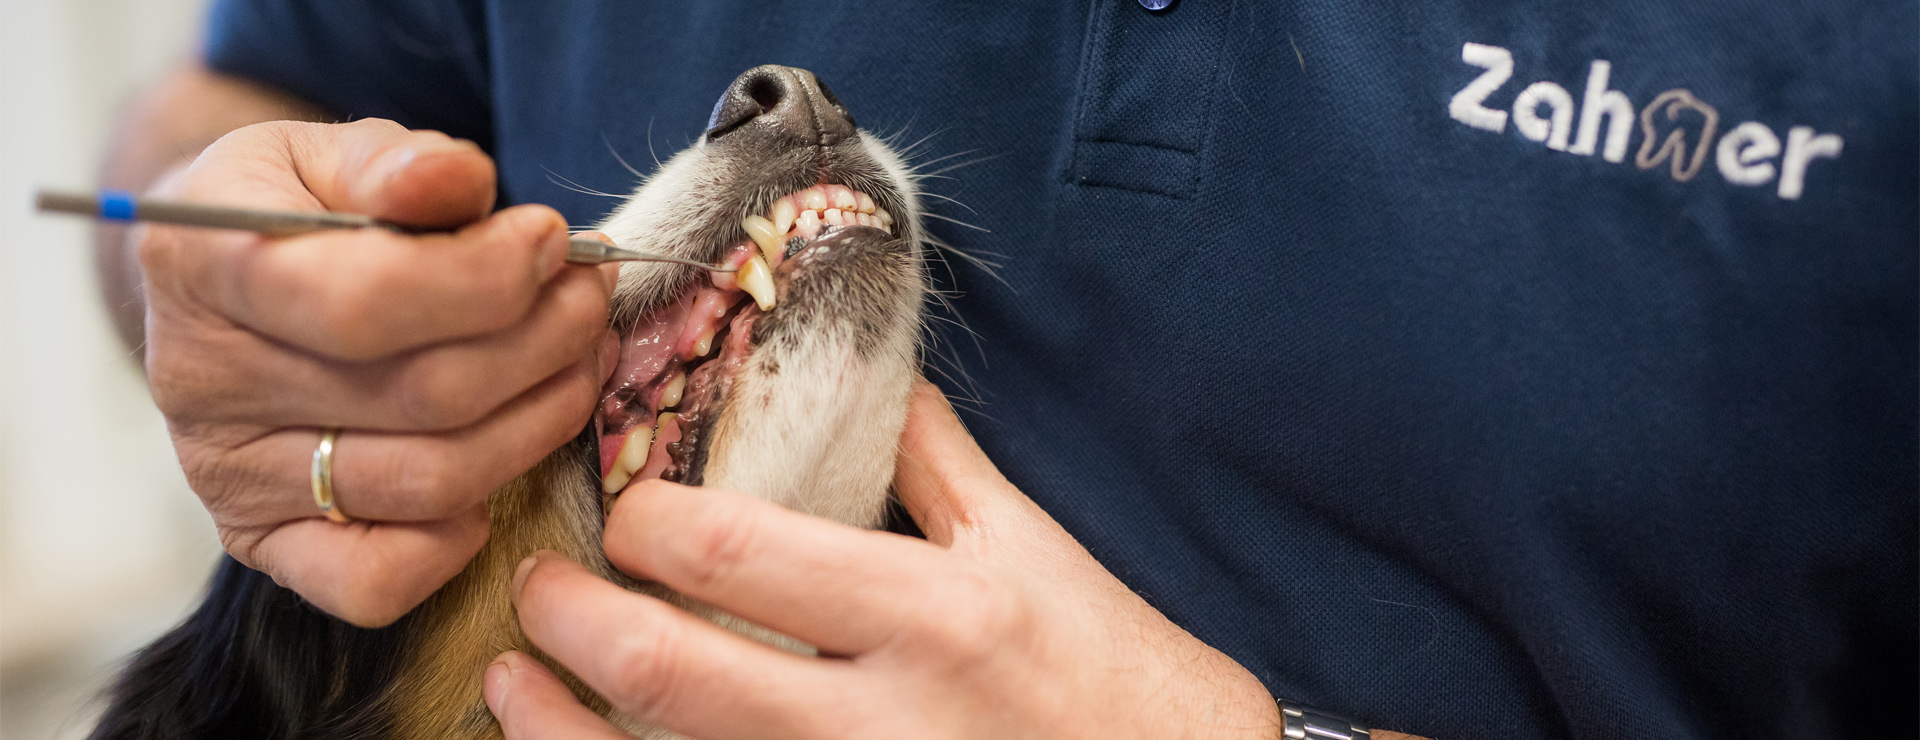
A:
[938,196]
[620,159]
[957,222]
[556,179]
[958,165]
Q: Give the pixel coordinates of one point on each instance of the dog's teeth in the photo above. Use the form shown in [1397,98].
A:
[764,234]
[704,344]
[671,396]
[614,481]
[866,202]
[834,217]
[885,218]
[782,215]
[841,197]
[757,281]
[633,455]
[813,199]
[807,225]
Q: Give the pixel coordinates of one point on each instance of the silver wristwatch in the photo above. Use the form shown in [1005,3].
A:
[1306,723]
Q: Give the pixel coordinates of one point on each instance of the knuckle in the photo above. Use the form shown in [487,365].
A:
[376,124]
[354,317]
[439,395]
[171,378]
[270,131]
[427,485]
[646,666]
[722,539]
[969,615]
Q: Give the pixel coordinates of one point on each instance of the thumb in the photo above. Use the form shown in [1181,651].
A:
[377,167]
[532,704]
[941,476]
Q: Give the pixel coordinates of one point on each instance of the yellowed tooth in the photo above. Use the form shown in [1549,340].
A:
[704,344]
[671,396]
[866,201]
[813,199]
[834,217]
[632,457]
[757,281]
[783,214]
[762,232]
[843,198]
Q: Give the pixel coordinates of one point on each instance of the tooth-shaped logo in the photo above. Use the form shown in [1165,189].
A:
[1674,147]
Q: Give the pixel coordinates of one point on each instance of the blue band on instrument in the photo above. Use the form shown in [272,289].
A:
[116,205]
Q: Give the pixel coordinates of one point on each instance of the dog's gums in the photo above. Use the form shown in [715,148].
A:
[652,409]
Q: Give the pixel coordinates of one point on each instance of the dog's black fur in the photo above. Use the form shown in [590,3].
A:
[255,661]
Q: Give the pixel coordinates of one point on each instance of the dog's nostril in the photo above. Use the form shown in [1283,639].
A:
[757,93]
[834,101]
[766,92]
[782,101]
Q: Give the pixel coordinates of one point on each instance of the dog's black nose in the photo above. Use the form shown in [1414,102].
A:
[783,101]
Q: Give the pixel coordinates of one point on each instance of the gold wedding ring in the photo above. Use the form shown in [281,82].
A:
[323,476]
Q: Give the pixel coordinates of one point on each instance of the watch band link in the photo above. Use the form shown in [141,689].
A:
[1306,723]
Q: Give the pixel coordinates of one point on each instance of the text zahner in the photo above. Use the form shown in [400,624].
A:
[1745,155]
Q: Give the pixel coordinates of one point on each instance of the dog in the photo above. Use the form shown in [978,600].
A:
[787,379]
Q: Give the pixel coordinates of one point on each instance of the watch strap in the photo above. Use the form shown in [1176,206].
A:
[1306,723]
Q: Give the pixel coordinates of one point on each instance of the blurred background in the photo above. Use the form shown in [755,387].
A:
[102,546]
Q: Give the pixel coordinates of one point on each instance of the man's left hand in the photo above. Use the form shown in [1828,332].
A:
[998,626]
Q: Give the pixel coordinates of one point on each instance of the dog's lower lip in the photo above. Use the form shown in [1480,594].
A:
[660,357]
[639,433]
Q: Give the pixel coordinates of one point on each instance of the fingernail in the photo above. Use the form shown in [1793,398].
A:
[520,574]
[494,686]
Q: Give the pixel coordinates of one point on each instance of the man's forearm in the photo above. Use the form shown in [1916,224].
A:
[161,130]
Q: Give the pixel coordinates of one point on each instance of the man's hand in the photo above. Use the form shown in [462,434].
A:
[1000,626]
[453,362]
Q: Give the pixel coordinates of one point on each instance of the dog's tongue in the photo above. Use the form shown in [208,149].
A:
[652,355]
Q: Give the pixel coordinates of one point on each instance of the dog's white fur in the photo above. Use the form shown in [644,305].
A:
[818,435]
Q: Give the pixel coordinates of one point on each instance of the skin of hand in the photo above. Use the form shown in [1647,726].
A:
[999,625]
[453,362]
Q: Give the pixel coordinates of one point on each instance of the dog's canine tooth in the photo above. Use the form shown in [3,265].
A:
[763,233]
[757,281]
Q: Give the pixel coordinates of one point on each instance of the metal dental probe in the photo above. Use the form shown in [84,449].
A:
[120,205]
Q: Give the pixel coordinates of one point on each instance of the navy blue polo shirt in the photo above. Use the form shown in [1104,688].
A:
[1473,368]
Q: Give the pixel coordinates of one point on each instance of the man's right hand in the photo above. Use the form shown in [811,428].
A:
[452,362]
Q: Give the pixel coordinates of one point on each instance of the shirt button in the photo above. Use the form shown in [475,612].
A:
[1156,4]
